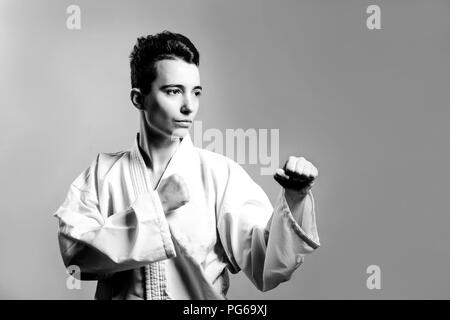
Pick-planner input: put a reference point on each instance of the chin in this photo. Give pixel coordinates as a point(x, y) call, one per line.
point(179, 133)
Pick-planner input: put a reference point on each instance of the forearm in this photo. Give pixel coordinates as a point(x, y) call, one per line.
point(295, 203)
point(125, 240)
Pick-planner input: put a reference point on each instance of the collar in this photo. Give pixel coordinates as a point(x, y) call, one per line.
point(179, 163)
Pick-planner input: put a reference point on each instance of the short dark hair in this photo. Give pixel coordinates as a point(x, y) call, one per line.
point(152, 48)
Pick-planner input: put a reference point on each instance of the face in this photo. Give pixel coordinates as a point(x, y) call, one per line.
point(173, 101)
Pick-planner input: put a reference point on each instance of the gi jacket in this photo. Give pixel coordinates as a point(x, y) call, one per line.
point(112, 226)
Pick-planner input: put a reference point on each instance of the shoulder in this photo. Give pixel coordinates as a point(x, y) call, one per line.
point(100, 168)
point(216, 161)
point(105, 161)
point(221, 166)
point(234, 186)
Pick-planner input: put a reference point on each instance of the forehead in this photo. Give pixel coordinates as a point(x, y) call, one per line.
point(177, 72)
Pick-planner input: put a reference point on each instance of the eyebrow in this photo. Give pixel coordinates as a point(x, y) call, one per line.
point(178, 86)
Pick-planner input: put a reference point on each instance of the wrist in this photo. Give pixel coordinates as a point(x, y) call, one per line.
point(295, 195)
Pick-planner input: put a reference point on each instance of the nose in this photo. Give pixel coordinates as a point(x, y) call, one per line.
point(188, 105)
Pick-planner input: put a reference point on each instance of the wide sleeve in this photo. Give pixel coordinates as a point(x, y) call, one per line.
point(267, 243)
point(101, 243)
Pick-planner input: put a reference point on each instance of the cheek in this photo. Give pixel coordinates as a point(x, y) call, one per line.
point(164, 107)
point(197, 106)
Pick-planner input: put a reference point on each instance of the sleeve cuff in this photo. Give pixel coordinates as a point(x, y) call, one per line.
point(310, 238)
point(148, 207)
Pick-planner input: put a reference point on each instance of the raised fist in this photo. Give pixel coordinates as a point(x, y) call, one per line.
point(173, 193)
point(297, 175)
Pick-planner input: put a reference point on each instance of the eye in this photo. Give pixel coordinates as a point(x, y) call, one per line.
point(172, 92)
point(198, 93)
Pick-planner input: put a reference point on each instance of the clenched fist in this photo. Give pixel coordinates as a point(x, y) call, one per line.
point(297, 176)
point(173, 193)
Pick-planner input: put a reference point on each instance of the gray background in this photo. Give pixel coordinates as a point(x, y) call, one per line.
point(368, 108)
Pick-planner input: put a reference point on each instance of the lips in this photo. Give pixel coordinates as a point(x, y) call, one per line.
point(183, 123)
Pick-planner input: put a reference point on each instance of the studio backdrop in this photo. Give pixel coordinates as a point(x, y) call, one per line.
point(359, 88)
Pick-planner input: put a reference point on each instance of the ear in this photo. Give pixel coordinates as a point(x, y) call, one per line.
point(137, 98)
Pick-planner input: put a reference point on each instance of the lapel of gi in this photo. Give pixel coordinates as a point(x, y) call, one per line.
point(155, 277)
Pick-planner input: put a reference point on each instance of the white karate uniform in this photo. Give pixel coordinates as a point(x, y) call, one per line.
point(112, 226)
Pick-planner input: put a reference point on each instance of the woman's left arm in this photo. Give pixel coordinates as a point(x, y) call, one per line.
point(267, 243)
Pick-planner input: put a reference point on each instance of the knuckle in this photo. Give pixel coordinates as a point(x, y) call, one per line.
point(291, 163)
point(300, 165)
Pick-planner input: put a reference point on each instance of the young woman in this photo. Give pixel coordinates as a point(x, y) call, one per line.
point(167, 220)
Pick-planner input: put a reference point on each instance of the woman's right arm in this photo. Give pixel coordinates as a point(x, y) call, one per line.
point(101, 245)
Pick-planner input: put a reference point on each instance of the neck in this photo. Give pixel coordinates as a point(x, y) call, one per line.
point(156, 147)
